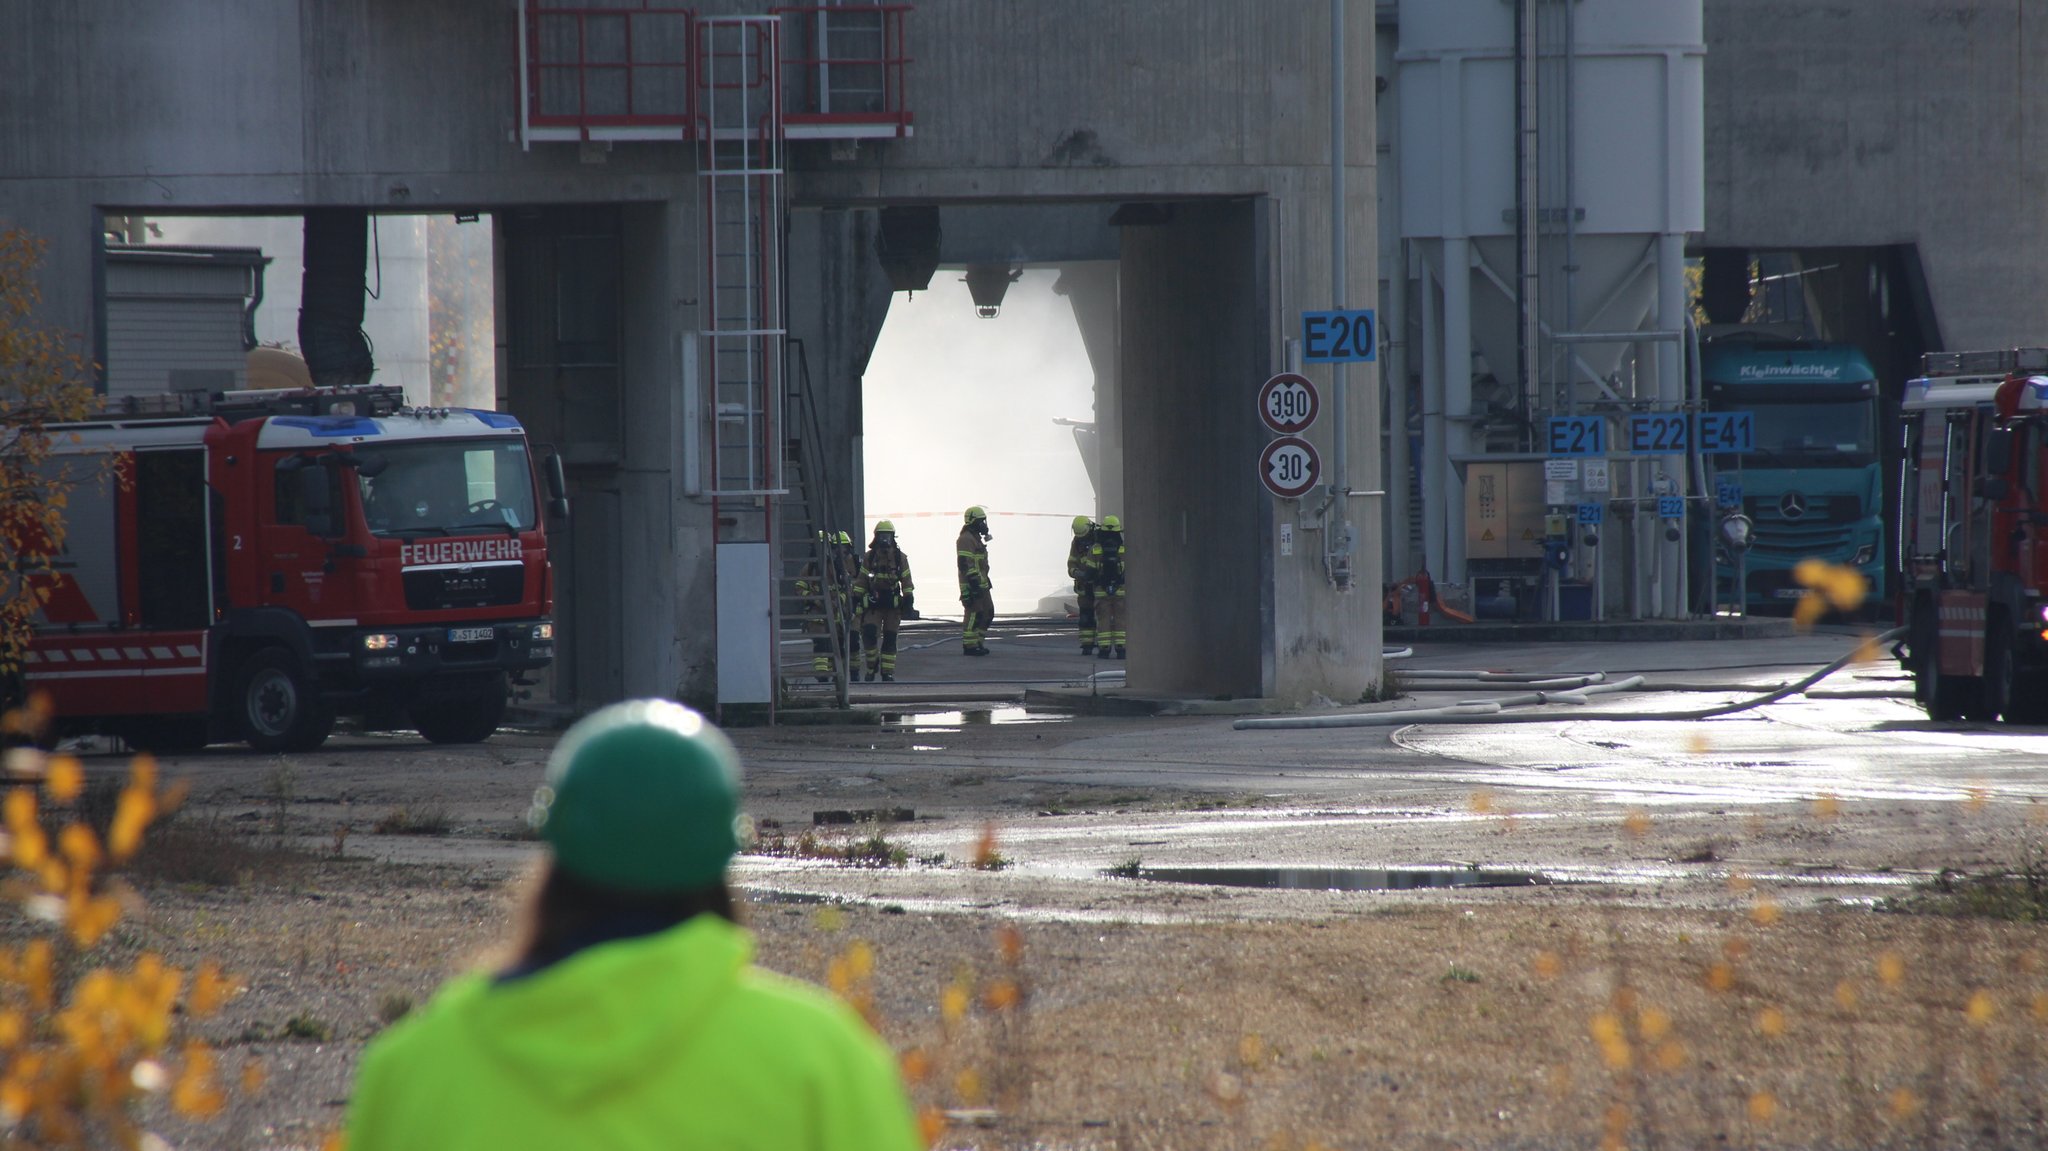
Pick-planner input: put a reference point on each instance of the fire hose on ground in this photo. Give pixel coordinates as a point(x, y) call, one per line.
point(1489, 711)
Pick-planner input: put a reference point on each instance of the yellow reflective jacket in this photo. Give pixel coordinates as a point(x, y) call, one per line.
point(973, 552)
point(660, 1041)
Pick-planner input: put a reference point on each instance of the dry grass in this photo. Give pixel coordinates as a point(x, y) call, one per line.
point(1529, 1027)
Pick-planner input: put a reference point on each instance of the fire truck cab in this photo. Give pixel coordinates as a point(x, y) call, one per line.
point(1973, 537)
point(249, 565)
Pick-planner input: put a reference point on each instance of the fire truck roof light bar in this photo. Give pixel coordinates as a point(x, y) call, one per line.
point(365, 400)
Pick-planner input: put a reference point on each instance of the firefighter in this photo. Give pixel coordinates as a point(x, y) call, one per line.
point(629, 1012)
point(1106, 575)
point(1077, 570)
point(977, 610)
point(845, 568)
point(884, 592)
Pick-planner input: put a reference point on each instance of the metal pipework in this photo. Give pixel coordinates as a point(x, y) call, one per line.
point(1337, 531)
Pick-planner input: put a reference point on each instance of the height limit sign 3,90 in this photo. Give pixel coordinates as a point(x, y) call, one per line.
point(1288, 403)
point(1289, 467)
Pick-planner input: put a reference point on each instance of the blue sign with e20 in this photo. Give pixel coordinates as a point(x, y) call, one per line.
point(1339, 337)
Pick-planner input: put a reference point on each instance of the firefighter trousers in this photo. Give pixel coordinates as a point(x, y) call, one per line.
point(977, 612)
point(1084, 602)
point(1109, 621)
point(878, 639)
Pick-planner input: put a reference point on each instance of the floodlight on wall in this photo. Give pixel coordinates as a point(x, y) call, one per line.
point(987, 283)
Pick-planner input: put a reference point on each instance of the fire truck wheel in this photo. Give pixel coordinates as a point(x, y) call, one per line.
point(468, 719)
point(279, 710)
point(1946, 697)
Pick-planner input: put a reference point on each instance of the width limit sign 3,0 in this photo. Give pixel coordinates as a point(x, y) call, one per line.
point(1289, 404)
point(1289, 467)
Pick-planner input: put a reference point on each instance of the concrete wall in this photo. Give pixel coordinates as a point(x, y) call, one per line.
point(410, 106)
point(223, 104)
point(1883, 122)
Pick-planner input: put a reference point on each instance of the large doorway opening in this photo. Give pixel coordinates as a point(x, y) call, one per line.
point(962, 409)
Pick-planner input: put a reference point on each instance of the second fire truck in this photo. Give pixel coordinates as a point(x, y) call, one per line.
point(1973, 538)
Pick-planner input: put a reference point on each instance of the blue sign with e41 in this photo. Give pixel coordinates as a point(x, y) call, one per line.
point(1727, 432)
point(1339, 337)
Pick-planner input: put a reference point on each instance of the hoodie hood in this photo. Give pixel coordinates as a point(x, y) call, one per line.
point(606, 1014)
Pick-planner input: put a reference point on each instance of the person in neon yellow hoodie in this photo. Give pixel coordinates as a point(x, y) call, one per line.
point(630, 1014)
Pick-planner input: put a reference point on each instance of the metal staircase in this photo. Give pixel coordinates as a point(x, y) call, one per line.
point(809, 598)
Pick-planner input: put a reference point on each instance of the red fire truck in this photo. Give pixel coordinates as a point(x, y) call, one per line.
point(248, 565)
point(1973, 537)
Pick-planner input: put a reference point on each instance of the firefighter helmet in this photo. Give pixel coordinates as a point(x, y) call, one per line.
point(977, 512)
point(843, 539)
point(1082, 524)
point(642, 796)
point(1111, 523)
point(885, 528)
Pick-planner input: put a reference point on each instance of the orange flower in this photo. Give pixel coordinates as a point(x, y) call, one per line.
point(64, 778)
point(1010, 942)
point(132, 817)
point(1001, 995)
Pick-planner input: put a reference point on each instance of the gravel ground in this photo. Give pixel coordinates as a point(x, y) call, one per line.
point(1431, 1024)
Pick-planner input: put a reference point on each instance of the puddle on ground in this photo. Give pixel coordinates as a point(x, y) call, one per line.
point(1343, 878)
point(937, 721)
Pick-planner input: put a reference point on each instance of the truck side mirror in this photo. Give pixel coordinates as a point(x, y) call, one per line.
point(558, 487)
point(1998, 453)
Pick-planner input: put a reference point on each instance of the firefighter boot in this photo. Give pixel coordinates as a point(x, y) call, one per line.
point(1106, 653)
point(1120, 651)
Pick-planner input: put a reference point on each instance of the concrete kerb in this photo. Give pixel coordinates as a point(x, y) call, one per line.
point(1619, 631)
point(1117, 702)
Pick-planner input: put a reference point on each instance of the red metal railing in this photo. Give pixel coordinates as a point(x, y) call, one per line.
point(845, 64)
point(610, 65)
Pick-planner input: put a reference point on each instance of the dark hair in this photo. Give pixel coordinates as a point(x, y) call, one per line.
point(560, 914)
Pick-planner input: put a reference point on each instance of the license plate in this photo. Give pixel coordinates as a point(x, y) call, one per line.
point(468, 634)
point(1789, 592)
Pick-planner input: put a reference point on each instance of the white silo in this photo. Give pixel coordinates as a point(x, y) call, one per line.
point(1613, 181)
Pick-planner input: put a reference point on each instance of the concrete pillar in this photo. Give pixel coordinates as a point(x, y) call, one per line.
point(1671, 301)
point(1091, 288)
point(1432, 416)
point(1193, 344)
point(660, 537)
point(1394, 374)
point(1457, 400)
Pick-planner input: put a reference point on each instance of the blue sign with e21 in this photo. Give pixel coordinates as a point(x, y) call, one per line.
point(1339, 337)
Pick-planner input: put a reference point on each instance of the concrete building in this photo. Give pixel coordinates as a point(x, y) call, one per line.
point(1190, 141)
point(1870, 159)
